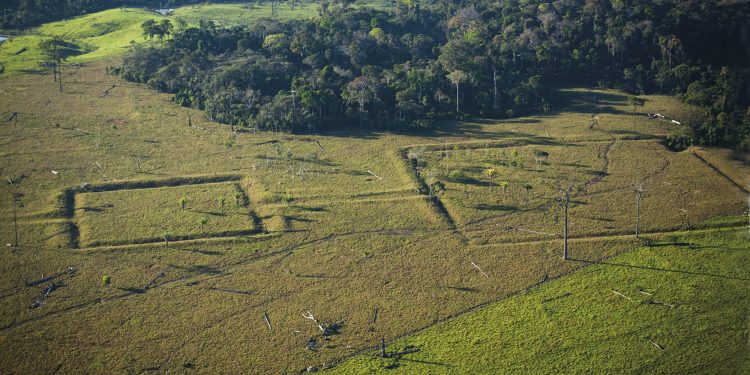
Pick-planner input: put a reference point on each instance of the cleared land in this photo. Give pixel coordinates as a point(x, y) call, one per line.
point(680, 190)
point(163, 214)
point(342, 226)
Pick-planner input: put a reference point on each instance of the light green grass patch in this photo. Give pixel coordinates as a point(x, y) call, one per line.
point(110, 32)
point(679, 310)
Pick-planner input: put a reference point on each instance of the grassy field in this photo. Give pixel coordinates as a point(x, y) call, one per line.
point(337, 224)
point(600, 173)
point(109, 33)
point(150, 215)
point(680, 309)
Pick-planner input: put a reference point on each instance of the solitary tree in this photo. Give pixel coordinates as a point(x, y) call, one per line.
point(53, 50)
point(490, 173)
point(222, 201)
point(183, 203)
point(527, 187)
point(458, 77)
point(203, 221)
point(540, 156)
point(638, 188)
point(504, 186)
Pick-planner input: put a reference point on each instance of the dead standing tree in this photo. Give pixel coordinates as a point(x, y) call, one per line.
point(639, 189)
point(16, 198)
point(565, 190)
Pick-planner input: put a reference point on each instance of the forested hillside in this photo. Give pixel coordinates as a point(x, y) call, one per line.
point(423, 61)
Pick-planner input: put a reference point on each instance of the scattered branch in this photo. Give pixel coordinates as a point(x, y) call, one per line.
point(622, 295)
point(372, 173)
point(656, 345)
point(268, 321)
point(311, 317)
point(480, 270)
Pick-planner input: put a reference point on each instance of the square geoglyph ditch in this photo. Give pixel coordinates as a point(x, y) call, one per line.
point(131, 216)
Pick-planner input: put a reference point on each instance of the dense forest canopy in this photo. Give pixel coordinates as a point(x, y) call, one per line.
point(421, 61)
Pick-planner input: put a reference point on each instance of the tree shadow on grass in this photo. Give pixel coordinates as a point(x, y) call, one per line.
point(425, 362)
point(204, 252)
point(462, 288)
point(473, 181)
point(496, 207)
point(686, 272)
point(133, 290)
point(100, 208)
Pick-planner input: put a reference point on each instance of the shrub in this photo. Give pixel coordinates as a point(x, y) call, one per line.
point(456, 176)
point(678, 142)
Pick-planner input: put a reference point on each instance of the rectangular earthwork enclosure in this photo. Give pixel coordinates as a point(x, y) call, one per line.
point(130, 216)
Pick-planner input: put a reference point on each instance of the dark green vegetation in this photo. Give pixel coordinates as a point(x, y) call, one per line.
point(677, 305)
point(419, 62)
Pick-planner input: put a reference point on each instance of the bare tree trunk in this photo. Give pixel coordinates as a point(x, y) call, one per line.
point(637, 214)
point(494, 80)
point(59, 68)
point(456, 97)
point(15, 218)
point(565, 232)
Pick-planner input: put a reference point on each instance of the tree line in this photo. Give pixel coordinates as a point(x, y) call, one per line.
point(420, 61)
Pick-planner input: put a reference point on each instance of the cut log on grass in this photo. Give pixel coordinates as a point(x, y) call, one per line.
point(480, 270)
point(311, 317)
point(622, 295)
point(656, 345)
point(372, 173)
point(268, 321)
